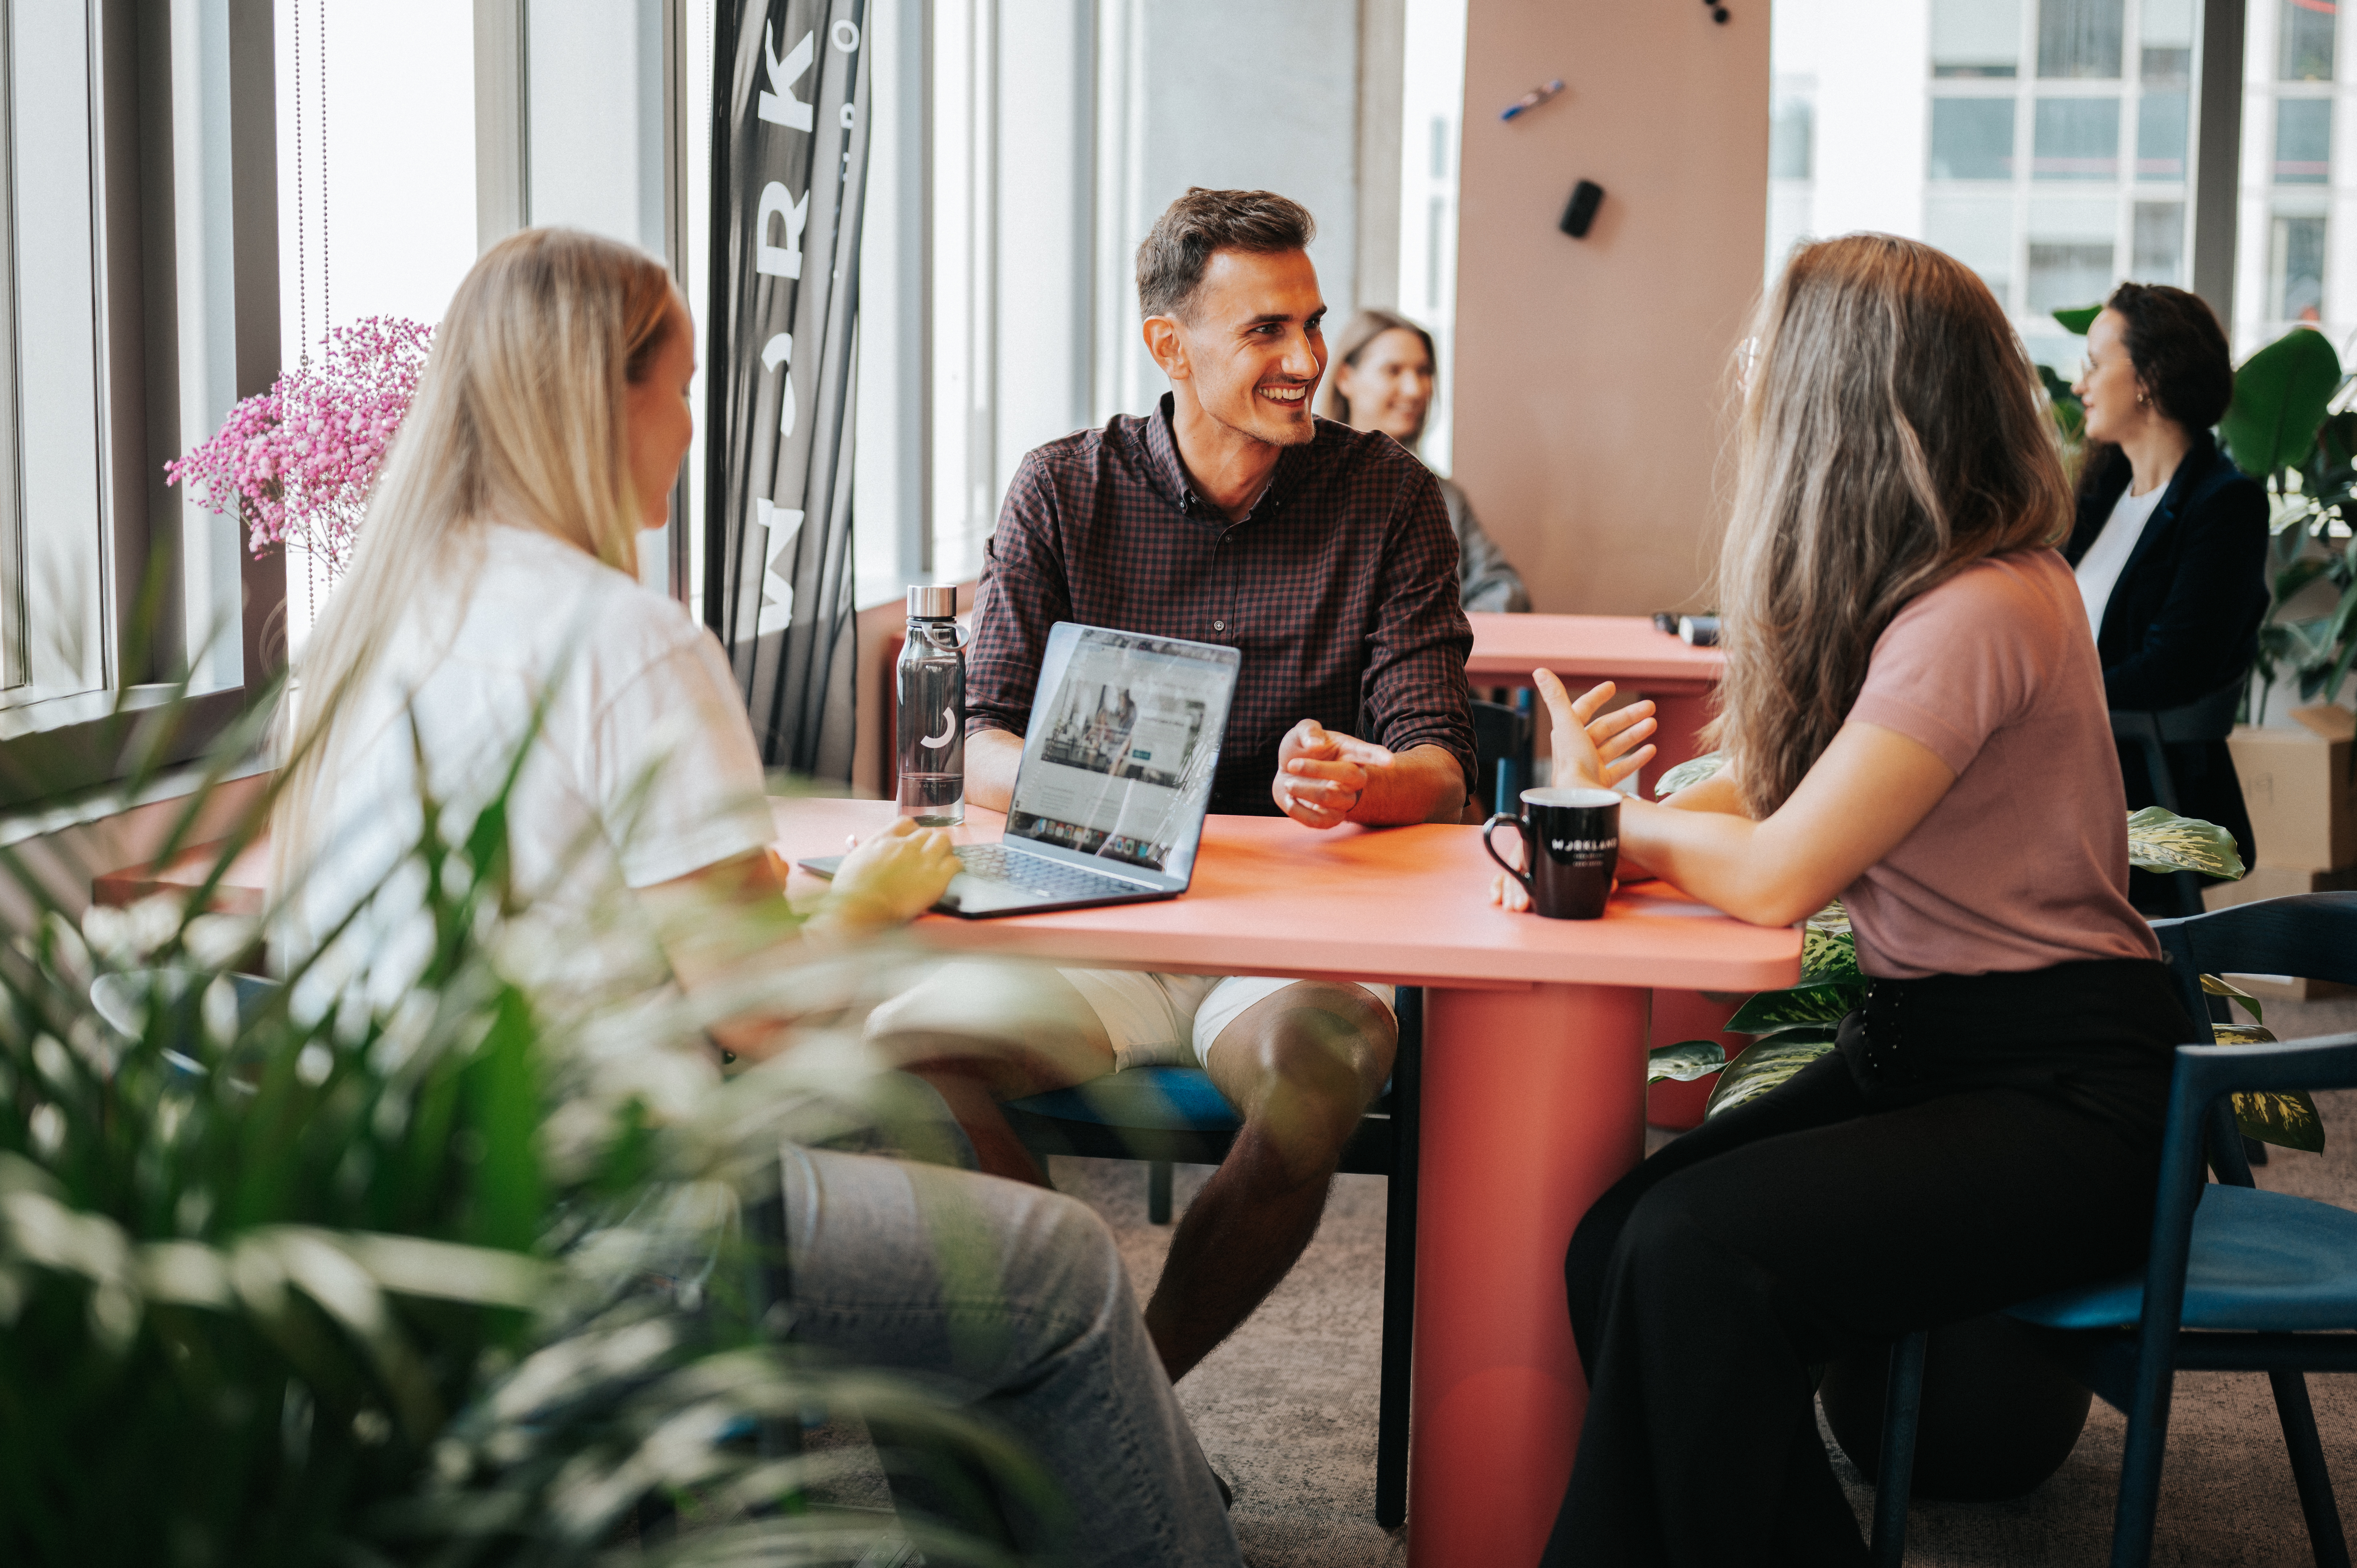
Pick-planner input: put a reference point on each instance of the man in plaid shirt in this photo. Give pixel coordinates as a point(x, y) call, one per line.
point(1324, 555)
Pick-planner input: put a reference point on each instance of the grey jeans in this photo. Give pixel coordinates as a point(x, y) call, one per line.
point(1018, 1295)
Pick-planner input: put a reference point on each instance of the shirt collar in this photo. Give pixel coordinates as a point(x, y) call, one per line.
point(1162, 455)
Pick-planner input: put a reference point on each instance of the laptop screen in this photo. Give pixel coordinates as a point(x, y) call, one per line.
point(1125, 736)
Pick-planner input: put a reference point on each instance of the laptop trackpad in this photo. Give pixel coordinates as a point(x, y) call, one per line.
point(977, 895)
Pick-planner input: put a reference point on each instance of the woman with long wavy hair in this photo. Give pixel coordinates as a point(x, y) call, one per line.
point(1913, 720)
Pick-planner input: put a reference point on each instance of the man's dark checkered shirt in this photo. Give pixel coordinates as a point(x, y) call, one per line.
point(1340, 589)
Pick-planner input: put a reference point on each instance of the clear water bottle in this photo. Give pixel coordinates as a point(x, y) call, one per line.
point(931, 738)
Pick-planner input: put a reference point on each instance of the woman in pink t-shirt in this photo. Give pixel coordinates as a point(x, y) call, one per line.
point(1914, 719)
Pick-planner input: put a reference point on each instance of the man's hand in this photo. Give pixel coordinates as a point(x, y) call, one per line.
point(1323, 774)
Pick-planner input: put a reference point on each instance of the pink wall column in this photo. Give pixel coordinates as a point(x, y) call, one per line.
point(1593, 382)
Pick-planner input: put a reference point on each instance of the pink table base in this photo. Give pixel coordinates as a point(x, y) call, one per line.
point(1533, 1097)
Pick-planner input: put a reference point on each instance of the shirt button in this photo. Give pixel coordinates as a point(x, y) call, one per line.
point(1219, 626)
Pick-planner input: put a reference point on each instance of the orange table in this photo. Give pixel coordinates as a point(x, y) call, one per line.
point(1534, 1091)
point(1584, 649)
point(1629, 651)
point(1534, 1096)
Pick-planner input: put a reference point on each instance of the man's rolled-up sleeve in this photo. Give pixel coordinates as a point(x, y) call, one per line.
point(1022, 593)
point(1414, 691)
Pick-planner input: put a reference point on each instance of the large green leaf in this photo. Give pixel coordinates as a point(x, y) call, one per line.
point(2160, 839)
point(2281, 397)
point(1818, 1001)
point(2288, 1120)
point(2216, 986)
point(2079, 317)
point(1693, 770)
point(1685, 1061)
point(1828, 946)
point(1764, 1065)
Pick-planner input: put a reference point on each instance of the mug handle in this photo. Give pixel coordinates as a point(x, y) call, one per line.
point(1521, 827)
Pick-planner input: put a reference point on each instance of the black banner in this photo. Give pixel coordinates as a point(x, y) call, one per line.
point(790, 105)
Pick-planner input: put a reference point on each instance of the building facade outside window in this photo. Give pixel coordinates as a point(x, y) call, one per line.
point(2047, 143)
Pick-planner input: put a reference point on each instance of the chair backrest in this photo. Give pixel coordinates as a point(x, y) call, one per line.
point(2204, 1076)
point(2310, 935)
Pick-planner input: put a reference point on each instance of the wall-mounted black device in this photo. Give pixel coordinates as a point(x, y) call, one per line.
point(1586, 196)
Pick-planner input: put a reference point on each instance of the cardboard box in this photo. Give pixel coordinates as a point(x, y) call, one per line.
point(2301, 793)
point(2275, 882)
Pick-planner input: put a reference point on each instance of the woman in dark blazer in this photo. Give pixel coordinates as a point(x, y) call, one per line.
point(2171, 544)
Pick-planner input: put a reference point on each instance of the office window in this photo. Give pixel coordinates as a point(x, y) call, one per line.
point(1971, 138)
point(1975, 37)
point(2080, 37)
point(2076, 138)
point(53, 507)
point(2161, 135)
point(2304, 36)
point(2303, 141)
point(2157, 251)
point(1791, 129)
point(2296, 269)
point(1978, 232)
point(2068, 273)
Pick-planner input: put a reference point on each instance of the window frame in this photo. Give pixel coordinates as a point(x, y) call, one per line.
point(63, 746)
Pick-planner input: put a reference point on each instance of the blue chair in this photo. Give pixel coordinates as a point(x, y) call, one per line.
point(1501, 748)
point(1167, 1115)
point(2238, 1279)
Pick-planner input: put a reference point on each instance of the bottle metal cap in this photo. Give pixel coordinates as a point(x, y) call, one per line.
point(928, 601)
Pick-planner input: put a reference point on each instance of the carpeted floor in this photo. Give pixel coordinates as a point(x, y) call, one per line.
point(1287, 1407)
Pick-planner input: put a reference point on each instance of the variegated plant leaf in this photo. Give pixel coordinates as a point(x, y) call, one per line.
point(1765, 1064)
point(2288, 1120)
point(1685, 1061)
point(1828, 946)
point(2160, 839)
point(1818, 1001)
point(1691, 771)
point(2218, 986)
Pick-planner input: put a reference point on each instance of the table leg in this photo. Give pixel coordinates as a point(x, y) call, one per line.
point(1533, 1104)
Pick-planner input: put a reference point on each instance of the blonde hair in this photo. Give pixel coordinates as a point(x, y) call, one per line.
point(1362, 329)
point(1891, 435)
point(518, 416)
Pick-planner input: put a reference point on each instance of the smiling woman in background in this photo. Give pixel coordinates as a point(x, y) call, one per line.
point(1381, 380)
point(2170, 542)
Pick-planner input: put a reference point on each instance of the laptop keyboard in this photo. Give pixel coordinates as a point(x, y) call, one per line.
point(1037, 875)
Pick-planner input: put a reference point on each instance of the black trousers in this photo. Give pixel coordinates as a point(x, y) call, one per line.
point(1919, 1176)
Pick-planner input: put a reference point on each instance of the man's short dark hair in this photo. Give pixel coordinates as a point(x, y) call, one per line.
point(1171, 261)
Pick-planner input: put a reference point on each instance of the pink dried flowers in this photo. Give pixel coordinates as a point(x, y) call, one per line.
point(297, 461)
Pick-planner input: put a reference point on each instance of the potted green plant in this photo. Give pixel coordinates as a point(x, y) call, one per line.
point(281, 1284)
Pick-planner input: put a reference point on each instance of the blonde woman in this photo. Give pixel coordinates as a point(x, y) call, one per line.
point(492, 610)
point(1914, 719)
point(1381, 379)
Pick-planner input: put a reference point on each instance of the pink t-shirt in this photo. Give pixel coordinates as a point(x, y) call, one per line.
point(2024, 862)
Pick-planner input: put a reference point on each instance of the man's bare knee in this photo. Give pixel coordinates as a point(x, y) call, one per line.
point(1302, 1066)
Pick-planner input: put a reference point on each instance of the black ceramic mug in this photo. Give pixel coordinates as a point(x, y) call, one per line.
point(1571, 844)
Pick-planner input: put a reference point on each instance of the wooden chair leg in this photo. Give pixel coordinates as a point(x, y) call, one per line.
point(1157, 1191)
point(2307, 1468)
point(1902, 1409)
point(1399, 1268)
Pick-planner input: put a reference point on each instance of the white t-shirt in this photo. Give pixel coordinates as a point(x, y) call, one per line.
point(643, 767)
point(2099, 568)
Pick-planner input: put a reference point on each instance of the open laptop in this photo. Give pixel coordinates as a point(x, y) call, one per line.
point(1115, 781)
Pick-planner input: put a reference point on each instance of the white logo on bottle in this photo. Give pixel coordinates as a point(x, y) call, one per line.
point(949, 731)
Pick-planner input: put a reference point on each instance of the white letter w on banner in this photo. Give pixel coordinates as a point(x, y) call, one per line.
point(779, 105)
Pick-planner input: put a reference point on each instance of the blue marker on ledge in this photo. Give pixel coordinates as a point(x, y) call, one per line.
point(1530, 99)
